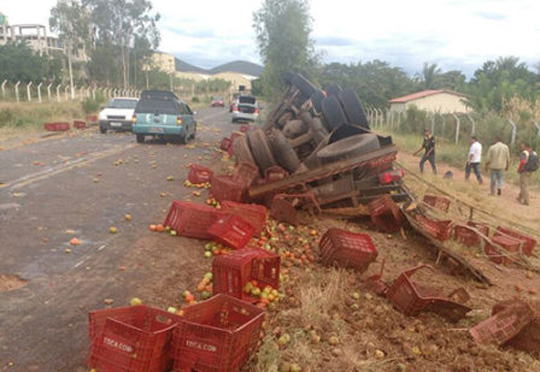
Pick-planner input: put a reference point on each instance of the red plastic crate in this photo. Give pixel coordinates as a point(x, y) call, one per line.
point(191, 219)
point(483, 228)
point(466, 236)
point(217, 335)
point(199, 174)
point(232, 231)
point(528, 242)
point(502, 325)
point(227, 188)
point(131, 339)
point(79, 124)
point(347, 249)
point(507, 243)
point(439, 202)
point(411, 298)
point(254, 213)
point(225, 144)
point(441, 230)
point(246, 173)
point(232, 272)
point(56, 127)
point(92, 119)
point(385, 214)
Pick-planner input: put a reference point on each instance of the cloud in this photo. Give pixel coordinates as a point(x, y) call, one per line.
point(333, 41)
point(492, 16)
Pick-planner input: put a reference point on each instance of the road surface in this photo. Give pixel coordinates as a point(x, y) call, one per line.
point(77, 186)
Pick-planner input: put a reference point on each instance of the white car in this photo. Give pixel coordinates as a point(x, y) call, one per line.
point(118, 114)
point(246, 108)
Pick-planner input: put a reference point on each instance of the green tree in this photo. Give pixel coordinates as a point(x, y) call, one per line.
point(501, 80)
point(125, 25)
point(72, 23)
point(430, 74)
point(283, 30)
point(20, 63)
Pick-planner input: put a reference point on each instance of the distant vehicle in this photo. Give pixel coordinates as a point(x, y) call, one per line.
point(117, 114)
point(246, 108)
point(161, 114)
point(218, 102)
point(234, 98)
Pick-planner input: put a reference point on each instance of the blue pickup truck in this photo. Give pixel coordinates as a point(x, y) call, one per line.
point(162, 114)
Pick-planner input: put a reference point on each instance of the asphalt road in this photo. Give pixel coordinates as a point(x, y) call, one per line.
point(78, 186)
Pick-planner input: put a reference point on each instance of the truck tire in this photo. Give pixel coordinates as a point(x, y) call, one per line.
point(316, 101)
point(304, 85)
point(353, 108)
point(348, 147)
point(242, 153)
point(140, 138)
point(333, 114)
point(333, 90)
point(260, 149)
point(283, 151)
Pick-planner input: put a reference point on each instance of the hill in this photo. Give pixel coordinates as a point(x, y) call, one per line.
point(241, 67)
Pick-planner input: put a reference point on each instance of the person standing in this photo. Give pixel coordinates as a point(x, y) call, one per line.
point(473, 160)
point(497, 162)
point(429, 146)
point(528, 163)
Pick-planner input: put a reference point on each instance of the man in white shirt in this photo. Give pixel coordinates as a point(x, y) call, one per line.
point(473, 160)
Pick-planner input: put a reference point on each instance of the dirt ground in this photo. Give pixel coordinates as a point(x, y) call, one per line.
point(332, 320)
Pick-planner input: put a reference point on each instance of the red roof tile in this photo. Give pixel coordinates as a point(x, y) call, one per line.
point(422, 94)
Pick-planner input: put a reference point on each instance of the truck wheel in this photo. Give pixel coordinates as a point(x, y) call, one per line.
point(304, 85)
point(353, 108)
point(333, 90)
point(260, 148)
point(242, 151)
point(348, 147)
point(316, 101)
point(283, 151)
point(102, 130)
point(294, 128)
point(140, 138)
point(333, 113)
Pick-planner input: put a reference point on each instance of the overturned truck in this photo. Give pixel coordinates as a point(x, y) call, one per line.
point(316, 150)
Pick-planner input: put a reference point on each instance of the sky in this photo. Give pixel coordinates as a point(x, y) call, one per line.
point(454, 34)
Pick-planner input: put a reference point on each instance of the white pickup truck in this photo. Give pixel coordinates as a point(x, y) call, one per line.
point(117, 115)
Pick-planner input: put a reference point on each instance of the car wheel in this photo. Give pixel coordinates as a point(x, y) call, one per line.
point(260, 148)
point(283, 151)
point(353, 108)
point(304, 85)
point(333, 114)
point(348, 147)
point(333, 90)
point(102, 130)
point(194, 131)
point(242, 152)
point(140, 138)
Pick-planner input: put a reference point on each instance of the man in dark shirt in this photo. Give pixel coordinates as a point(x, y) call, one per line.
point(429, 146)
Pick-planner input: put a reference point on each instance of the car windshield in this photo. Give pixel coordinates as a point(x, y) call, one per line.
point(156, 103)
point(122, 103)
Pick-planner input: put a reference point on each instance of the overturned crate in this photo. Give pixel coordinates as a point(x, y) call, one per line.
point(225, 187)
point(218, 335)
point(191, 219)
point(232, 231)
point(385, 214)
point(411, 297)
point(346, 249)
point(254, 213)
point(199, 174)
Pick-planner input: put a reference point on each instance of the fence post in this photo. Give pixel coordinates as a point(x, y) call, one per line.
point(17, 90)
point(537, 127)
point(94, 92)
point(514, 129)
point(49, 91)
point(58, 92)
point(39, 92)
point(4, 89)
point(432, 123)
point(458, 123)
point(473, 130)
point(28, 91)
